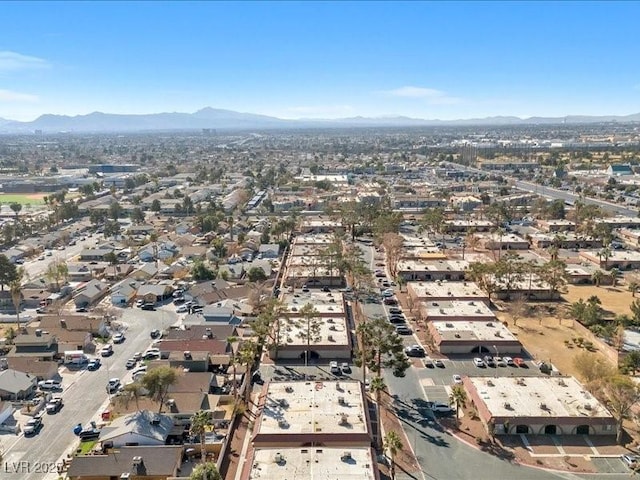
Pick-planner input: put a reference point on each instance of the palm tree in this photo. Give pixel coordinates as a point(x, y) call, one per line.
point(15, 287)
point(233, 341)
point(597, 276)
point(247, 356)
point(458, 397)
point(615, 273)
point(131, 391)
point(634, 286)
point(393, 445)
point(377, 387)
point(200, 421)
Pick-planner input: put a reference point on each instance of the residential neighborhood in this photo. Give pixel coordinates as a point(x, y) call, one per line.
point(271, 306)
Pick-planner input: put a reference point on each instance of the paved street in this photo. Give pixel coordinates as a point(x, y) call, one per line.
point(84, 396)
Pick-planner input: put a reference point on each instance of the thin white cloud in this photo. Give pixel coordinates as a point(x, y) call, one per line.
point(11, 96)
point(15, 62)
point(430, 95)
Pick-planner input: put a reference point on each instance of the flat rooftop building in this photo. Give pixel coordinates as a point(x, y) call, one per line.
point(312, 463)
point(474, 337)
point(441, 291)
point(328, 304)
point(331, 413)
point(455, 310)
point(538, 406)
point(436, 269)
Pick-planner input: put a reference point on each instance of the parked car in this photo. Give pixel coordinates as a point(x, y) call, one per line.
point(118, 338)
point(106, 351)
point(156, 333)
point(414, 351)
point(631, 461)
point(113, 385)
point(478, 362)
point(137, 356)
point(179, 301)
point(148, 306)
point(94, 364)
point(397, 319)
point(345, 367)
point(457, 379)
point(403, 330)
point(139, 303)
point(334, 368)
point(182, 309)
point(390, 301)
point(54, 405)
point(439, 363)
point(509, 361)
point(395, 311)
point(437, 407)
point(33, 426)
point(520, 362)
point(130, 363)
point(49, 385)
point(428, 362)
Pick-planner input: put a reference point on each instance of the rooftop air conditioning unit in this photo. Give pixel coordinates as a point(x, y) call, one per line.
point(543, 406)
point(340, 400)
point(507, 405)
point(187, 355)
point(587, 406)
point(279, 458)
point(346, 456)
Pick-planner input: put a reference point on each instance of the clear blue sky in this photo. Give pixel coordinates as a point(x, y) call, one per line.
point(427, 60)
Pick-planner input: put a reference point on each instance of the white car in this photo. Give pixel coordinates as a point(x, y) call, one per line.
point(49, 385)
point(478, 362)
point(457, 379)
point(118, 338)
point(182, 309)
point(508, 361)
point(113, 385)
point(334, 368)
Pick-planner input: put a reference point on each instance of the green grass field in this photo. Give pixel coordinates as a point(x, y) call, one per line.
point(23, 198)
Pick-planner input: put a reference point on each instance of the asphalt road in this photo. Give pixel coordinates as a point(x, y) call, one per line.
point(564, 195)
point(441, 455)
point(85, 397)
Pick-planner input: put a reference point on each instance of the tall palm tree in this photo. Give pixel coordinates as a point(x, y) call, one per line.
point(247, 353)
point(15, 287)
point(597, 277)
point(200, 422)
point(393, 445)
point(615, 273)
point(233, 342)
point(458, 397)
point(377, 387)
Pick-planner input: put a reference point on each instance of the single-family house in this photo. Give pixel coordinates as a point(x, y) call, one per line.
point(143, 428)
point(154, 293)
point(146, 272)
point(123, 293)
point(94, 254)
point(15, 385)
point(90, 293)
point(135, 463)
point(269, 250)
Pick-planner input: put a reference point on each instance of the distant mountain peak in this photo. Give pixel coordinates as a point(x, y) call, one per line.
point(216, 118)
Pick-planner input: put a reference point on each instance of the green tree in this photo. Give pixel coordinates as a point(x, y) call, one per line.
point(157, 382)
point(619, 394)
point(458, 398)
point(205, 471)
point(115, 210)
point(378, 387)
point(393, 445)
point(267, 326)
point(133, 391)
point(200, 271)
point(112, 258)
point(8, 272)
point(200, 422)
point(256, 274)
point(309, 328)
point(16, 207)
point(155, 205)
point(631, 362)
point(15, 287)
point(137, 215)
point(380, 347)
point(592, 367)
point(247, 356)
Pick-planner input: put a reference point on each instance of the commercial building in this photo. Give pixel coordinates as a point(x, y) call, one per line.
point(311, 463)
point(306, 413)
point(456, 310)
point(443, 291)
point(538, 406)
point(474, 337)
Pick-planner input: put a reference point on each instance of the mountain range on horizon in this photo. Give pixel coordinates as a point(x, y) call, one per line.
point(221, 119)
